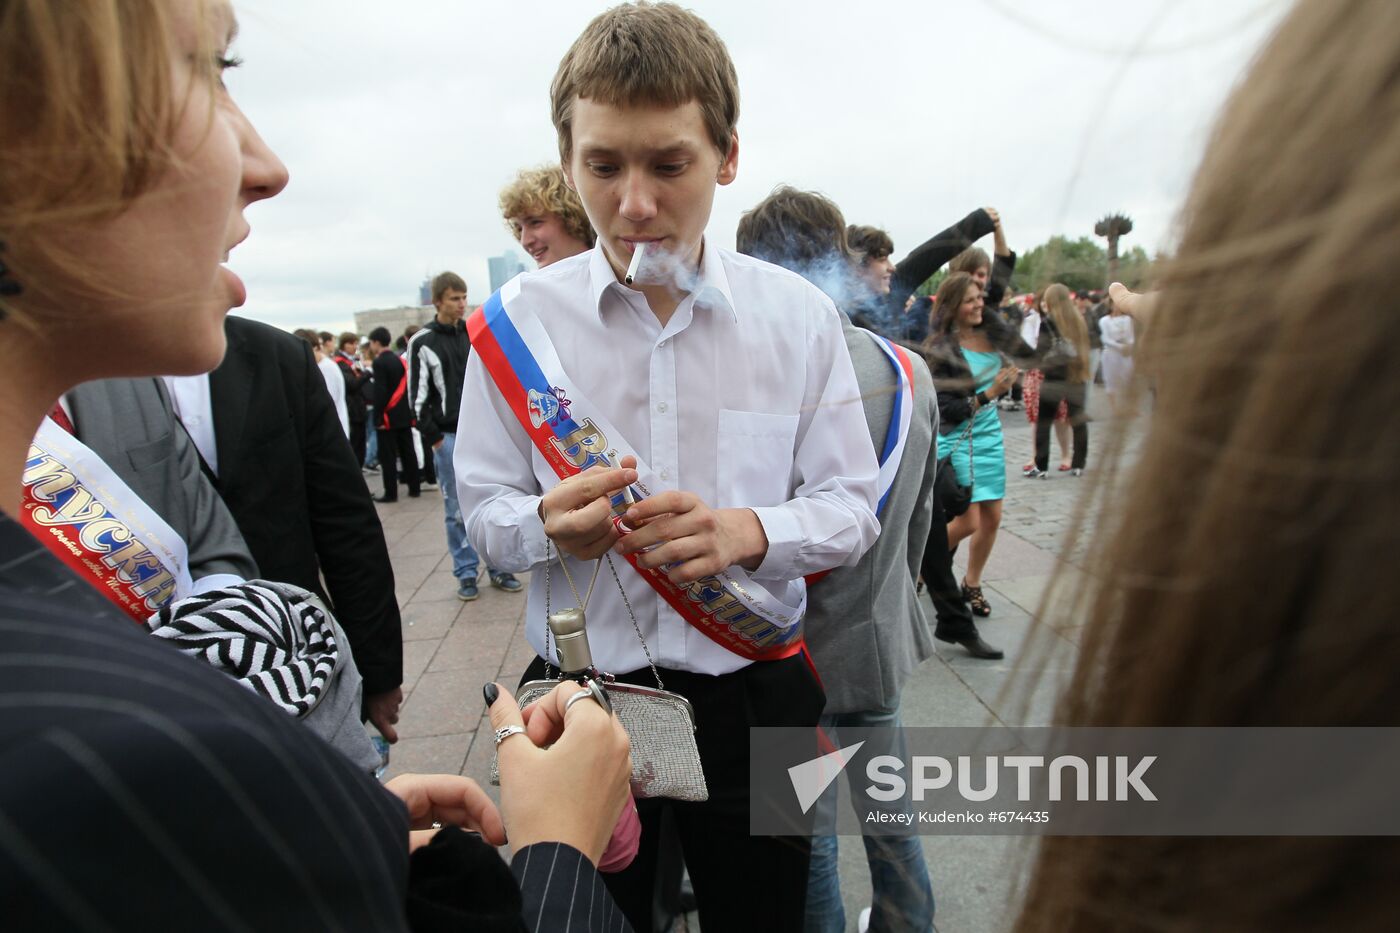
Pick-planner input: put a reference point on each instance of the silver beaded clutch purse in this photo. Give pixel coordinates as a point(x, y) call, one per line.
point(659, 723)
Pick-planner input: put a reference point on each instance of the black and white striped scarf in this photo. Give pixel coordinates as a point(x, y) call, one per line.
point(276, 639)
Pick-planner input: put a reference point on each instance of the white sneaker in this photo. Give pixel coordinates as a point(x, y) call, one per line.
point(863, 924)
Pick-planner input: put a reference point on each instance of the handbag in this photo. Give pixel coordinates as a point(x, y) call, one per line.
point(1059, 355)
point(951, 495)
point(659, 723)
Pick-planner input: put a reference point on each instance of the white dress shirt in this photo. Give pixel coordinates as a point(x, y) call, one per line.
point(189, 395)
point(746, 397)
point(335, 384)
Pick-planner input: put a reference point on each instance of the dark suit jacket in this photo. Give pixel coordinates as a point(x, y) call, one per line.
point(142, 790)
point(287, 473)
point(392, 406)
point(129, 424)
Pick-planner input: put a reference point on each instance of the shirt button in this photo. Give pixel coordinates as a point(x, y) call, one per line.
point(661, 408)
point(662, 344)
point(666, 473)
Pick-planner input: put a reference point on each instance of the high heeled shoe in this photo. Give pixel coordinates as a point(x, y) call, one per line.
point(976, 600)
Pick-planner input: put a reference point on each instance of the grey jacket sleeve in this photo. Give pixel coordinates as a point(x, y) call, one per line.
point(132, 426)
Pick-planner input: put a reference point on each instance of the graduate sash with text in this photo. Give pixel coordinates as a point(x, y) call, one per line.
point(572, 436)
point(92, 521)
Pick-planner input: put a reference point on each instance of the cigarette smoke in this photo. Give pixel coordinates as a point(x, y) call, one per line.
point(661, 266)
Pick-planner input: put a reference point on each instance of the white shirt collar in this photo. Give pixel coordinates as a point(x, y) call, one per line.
point(711, 288)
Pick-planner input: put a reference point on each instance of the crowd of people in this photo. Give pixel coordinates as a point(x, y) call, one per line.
point(766, 538)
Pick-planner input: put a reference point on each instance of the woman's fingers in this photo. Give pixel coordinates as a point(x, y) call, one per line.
point(451, 800)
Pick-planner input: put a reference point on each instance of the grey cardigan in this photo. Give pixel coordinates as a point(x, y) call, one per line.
point(865, 627)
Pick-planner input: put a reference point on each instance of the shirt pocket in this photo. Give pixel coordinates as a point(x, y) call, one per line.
point(755, 453)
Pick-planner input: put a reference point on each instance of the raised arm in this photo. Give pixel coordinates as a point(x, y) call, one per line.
point(928, 257)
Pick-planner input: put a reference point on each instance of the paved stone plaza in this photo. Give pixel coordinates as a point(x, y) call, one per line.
point(452, 648)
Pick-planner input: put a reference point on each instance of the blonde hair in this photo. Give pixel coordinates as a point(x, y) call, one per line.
point(1070, 323)
point(542, 190)
point(87, 113)
point(655, 54)
point(1239, 577)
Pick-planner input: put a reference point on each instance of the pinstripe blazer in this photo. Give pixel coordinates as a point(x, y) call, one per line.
point(142, 790)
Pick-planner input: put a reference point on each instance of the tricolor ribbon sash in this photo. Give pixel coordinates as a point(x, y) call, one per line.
point(573, 435)
point(92, 521)
point(903, 415)
point(897, 435)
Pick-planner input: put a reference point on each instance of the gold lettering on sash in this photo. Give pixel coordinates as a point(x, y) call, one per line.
point(583, 445)
point(733, 612)
point(131, 560)
point(91, 534)
point(48, 478)
point(752, 627)
point(80, 507)
point(153, 591)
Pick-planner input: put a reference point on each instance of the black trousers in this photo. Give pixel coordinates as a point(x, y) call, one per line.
point(400, 441)
point(954, 618)
point(1051, 394)
point(741, 882)
point(357, 440)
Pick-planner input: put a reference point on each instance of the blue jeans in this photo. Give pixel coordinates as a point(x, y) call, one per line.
point(903, 895)
point(465, 563)
point(371, 445)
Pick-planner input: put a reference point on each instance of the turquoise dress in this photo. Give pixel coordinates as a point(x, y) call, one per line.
point(988, 459)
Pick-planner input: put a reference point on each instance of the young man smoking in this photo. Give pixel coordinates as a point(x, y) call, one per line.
point(719, 389)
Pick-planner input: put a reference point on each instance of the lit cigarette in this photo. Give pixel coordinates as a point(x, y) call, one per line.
point(635, 264)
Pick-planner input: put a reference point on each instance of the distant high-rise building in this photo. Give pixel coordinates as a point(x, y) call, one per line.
point(425, 292)
point(504, 268)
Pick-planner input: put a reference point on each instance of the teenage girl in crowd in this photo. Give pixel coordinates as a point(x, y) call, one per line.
point(142, 789)
point(1063, 349)
point(1033, 379)
point(970, 373)
point(1240, 561)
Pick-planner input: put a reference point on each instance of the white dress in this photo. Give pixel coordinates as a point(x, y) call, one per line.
point(1117, 334)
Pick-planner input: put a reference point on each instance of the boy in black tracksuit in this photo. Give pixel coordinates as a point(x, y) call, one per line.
point(437, 360)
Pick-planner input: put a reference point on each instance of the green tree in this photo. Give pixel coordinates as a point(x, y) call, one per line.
point(1079, 264)
point(1135, 268)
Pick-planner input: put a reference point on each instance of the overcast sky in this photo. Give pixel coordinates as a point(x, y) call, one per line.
point(401, 122)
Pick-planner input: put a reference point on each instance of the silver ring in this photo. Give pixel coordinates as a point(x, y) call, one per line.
point(596, 691)
point(507, 732)
point(581, 695)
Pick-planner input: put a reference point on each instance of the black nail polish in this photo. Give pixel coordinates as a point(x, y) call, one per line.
point(490, 692)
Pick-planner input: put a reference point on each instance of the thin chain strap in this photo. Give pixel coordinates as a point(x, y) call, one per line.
point(635, 627)
point(966, 435)
point(548, 640)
